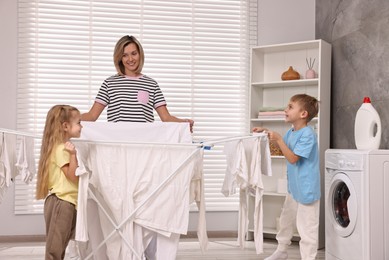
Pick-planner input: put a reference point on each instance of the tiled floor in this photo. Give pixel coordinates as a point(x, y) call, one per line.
point(189, 249)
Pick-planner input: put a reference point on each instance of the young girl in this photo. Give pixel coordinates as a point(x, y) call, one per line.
point(57, 181)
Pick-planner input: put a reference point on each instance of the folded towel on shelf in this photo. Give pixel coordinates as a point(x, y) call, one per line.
point(267, 109)
point(272, 113)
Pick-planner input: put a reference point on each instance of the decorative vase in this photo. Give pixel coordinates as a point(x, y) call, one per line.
point(290, 74)
point(310, 74)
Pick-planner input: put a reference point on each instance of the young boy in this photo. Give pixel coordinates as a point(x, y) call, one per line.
point(301, 206)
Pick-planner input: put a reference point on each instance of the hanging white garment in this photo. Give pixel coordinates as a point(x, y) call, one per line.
point(7, 155)
point(260, 165)
point(123, 178)
point(247, 160)
point(83, 181)
point(25, 163)
point(236, 176)
point(3, 167)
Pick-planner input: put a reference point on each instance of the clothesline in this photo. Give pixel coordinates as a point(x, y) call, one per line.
point(132, 143)
point(210, 143)
point(205, 144)
point(9, 131)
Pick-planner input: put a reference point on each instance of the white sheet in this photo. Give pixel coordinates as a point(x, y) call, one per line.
point(123, 176)
point(158, 132)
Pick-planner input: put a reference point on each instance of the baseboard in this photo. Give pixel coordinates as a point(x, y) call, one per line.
point(213, 234)
point(23, 238)
point(190, 234)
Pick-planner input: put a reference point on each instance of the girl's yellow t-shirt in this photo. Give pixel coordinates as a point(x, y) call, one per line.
point(58, 183)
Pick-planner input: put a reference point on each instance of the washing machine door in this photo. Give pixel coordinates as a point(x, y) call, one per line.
point(343, 204)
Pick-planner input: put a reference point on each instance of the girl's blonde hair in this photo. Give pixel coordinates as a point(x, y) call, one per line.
point(118, 54)
point(53, 134)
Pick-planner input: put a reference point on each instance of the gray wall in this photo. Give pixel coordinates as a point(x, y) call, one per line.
point(359, 33)
point(276, 16)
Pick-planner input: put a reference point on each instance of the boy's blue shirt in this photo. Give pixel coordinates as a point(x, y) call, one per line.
point(304, 175)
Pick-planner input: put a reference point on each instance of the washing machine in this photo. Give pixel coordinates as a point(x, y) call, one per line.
point(357, 204)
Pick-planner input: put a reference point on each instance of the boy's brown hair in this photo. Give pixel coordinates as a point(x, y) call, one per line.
point(308, 103)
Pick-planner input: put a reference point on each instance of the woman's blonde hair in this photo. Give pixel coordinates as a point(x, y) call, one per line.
point(118, 54)
point(53, 134)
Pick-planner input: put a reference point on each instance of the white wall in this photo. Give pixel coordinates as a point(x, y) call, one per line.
point(9, 223)
point(279, 21)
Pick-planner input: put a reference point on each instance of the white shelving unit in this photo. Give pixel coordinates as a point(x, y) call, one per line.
point(268, 90)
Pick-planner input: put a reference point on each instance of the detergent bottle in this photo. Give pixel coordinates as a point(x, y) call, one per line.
point(367, 129)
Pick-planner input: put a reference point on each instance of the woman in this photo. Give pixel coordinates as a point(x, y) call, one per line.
point(130, 95)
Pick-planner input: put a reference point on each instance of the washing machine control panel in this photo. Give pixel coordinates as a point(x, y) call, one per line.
point(349, 164)
point(341, 161)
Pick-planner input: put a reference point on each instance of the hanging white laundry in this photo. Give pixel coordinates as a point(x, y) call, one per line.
point(260, 159)
point(236, 175)
point(3, 169)
point(25, 163)
point(7, 154)
point(83, 182)
point(85, 205)
point(247, 160)
point(126, 181)
point(197, 195)
point(260, 165)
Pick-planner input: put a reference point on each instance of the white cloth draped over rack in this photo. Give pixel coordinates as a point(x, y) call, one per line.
point(10, 156)
point(169, 133)
point(121, 161)
point(25, 162)
point(143, 178)
point(248, 158)
point(7, 169)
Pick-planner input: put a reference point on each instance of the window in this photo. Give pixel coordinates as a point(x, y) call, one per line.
point(198, 52)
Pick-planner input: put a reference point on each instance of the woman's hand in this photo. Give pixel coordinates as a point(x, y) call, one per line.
point(191, 123)
point(94, 113)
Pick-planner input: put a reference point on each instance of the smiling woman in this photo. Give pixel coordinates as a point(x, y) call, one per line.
point(198, 51)
point(130, 95)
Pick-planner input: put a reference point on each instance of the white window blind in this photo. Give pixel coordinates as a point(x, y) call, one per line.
point(198, 51)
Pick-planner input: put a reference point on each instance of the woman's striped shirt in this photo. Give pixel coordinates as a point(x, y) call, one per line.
point(130, 99)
